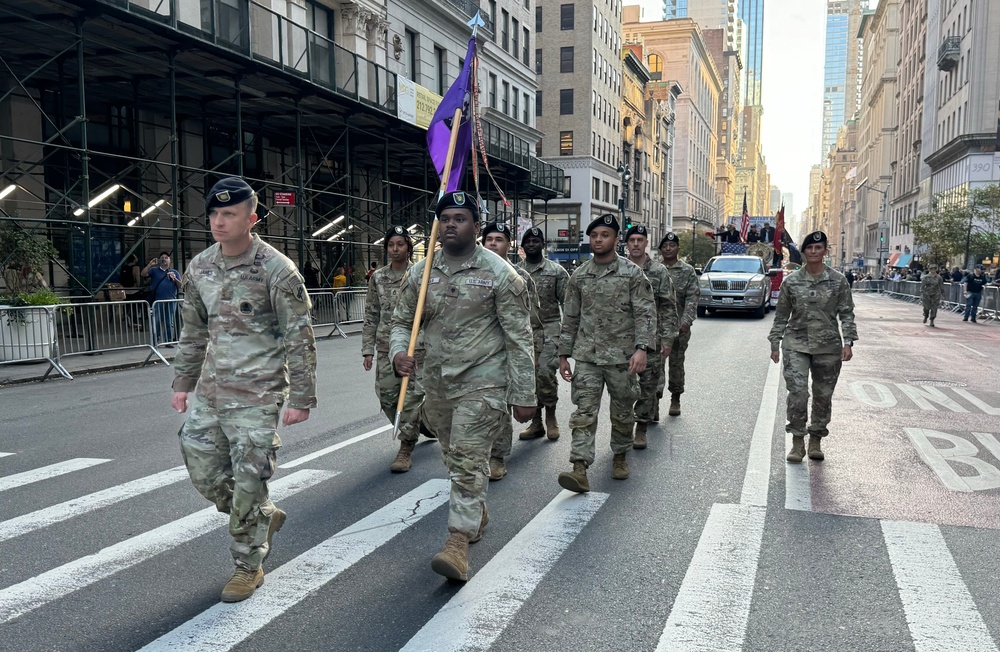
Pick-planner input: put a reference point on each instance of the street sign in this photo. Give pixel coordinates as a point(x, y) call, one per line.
point(883, 250)
point(883, 224)
point(284, 198)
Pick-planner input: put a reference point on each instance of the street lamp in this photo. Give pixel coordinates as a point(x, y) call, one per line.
point(626, 175)
point(843, 250)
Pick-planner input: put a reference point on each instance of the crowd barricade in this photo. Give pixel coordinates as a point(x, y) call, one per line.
point(350, 303)
point(324, 312)
point(868, 286)
point(28, 334)
point(165, 322)
point(97, 327)
point(952, 297)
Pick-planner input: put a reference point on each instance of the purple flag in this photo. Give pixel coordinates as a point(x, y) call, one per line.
point(439, 131)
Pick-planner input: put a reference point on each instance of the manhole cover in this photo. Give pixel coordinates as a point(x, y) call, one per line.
point(936, 383)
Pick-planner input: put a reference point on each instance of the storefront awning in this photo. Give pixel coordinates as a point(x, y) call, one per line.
point(892, 260)
point(904, 260)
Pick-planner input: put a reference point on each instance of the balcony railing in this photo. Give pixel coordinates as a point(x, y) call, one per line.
point(949, 53)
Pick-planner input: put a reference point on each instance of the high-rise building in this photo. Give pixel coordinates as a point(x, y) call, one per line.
point(841, 69)
point(751, 12)
point(788, 201)
point(675, 9)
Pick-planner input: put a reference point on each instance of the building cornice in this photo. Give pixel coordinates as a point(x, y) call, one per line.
point(959, 147)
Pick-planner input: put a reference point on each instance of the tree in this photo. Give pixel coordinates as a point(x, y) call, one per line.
point(23, 256)
point(964, 222)
point(704, 248)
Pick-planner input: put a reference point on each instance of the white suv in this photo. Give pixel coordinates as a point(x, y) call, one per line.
point(734, 283)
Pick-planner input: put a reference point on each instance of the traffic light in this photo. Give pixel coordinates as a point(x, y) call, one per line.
point(628, 224)
point(881, 238)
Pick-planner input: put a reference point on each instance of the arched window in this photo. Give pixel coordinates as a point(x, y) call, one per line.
point(655, 63)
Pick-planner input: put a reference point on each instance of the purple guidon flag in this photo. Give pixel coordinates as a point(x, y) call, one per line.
point(439, 131)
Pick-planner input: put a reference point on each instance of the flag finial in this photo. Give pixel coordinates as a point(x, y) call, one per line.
point(476, 23)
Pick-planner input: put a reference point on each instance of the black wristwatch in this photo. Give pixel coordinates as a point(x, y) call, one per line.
point(643, 347)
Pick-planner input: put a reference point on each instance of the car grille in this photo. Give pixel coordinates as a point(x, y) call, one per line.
point(729, 285)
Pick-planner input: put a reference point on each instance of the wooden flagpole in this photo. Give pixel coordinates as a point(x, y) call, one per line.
point(428, 262)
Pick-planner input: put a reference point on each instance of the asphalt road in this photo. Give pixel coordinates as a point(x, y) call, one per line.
point(712, 544)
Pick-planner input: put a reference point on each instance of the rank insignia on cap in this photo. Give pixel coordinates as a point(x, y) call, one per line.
point(607, 219)
point(459, 198)
point(222, 196)
point(399, 229)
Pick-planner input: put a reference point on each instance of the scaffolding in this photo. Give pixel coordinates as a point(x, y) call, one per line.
point(116, 116)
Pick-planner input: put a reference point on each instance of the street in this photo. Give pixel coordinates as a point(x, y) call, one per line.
point(713, 543)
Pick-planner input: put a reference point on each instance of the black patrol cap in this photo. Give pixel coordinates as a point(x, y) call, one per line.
point(638, 229)
point(816, 237)
point(498, 227)
point(533, 232)
point(228, 192)
point(608, 220)
point(458, 199)
point(396, 231)
point(670, 237)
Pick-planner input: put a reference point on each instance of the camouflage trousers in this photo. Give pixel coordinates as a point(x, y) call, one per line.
point(648, 382)
point(825, 369)
point(546, 384)
point(931, 307)
point(230, 455)
point(466, 428)
point(673, 381)
point(387, 385)
point(588, 386)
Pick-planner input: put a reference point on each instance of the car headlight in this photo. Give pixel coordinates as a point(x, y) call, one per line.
point(704, 282)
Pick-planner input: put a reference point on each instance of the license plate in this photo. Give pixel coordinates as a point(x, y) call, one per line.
point(727, 299)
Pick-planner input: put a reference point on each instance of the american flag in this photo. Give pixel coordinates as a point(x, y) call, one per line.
point(745, 222)
point(736, 248)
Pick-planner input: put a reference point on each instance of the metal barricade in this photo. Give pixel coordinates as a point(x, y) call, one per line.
point(324, 312)
point(351, 305)
point(28, 334)
point(868, 286)
point(94, 328)
point(165, 326)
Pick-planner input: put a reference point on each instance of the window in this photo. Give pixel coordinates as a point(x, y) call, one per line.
point(596, 192)
point(439, 57)
point(526, 116)
point(505, 100)
point(516, 103)
point(526, 46)
point(566, 101)
point(566, 59)
point(566, 22)
point(607, 192)
point(538, 103)
point(538, 61)
point(411, 43)
point(493, 91)
point(515, 37)
point(493, 18)
point(566, 141)
point(538, 18)
point(505, 30)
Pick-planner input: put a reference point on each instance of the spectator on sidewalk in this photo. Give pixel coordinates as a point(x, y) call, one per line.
point(164, 282)
point(974, 285)
point(957, 275)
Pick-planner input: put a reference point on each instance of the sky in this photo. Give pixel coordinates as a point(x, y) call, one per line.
point(792, 90)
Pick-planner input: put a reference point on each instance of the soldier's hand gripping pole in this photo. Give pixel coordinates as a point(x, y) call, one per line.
point(429, 245)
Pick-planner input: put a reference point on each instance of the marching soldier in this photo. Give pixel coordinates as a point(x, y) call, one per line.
point(931, 287)
point(478, 345)
point(497, 238)
point(550, 283)
point(608, 328)
point(246, 349)
point(383, 294)
point(812, 300)
point(686, 286)
point(636, 240)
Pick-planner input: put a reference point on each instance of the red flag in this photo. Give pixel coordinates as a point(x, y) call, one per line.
point(779, 230)
point(745, 222)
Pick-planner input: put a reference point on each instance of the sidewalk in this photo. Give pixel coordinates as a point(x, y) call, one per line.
point(78, 365)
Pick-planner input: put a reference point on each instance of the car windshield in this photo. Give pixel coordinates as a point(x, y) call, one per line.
point(742, 265)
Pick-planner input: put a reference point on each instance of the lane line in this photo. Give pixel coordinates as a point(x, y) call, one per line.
point(758, 475)
point(329, 449)
point(6, 454)
point(798, 493)
point(19, 599)
point(939, 610)
point(45, 472)
point(479, 613)
point(969, 348)
point(712, 608)
point(224, 626)
point(17, 526)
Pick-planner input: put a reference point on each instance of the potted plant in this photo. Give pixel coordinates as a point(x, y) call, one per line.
point(25, 334)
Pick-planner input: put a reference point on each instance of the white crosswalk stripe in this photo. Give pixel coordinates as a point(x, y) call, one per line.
point(475, 617)
point(225, 625)
point(6, 454)
point(8, 482)
point(17, 526)
point(19, 599)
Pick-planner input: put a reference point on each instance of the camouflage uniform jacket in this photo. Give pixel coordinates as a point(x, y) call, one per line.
point(666, 301)
point(475, 327)
point(805, 318)
point(550, 284)
point(609, 310)
point(686, 286)
point(247, 338)
point(931, 286)
point(383, 295)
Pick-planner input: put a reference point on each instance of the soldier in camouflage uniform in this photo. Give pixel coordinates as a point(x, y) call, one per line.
point(497, 238)
point(686, 286)
point(479, 362)
point(608, 328)
point(931, 287)
point(550, 283)
point(636, 241)
point(246, 348)
point(383, 293)
point(805, 329)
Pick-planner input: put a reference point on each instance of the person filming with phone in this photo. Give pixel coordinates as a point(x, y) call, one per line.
point(164, 282)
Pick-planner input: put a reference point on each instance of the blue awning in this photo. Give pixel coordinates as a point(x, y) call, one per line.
point(904, 260)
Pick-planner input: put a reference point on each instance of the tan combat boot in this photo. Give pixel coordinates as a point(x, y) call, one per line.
point(619, 467)
point(453, 560)
point(497, 468)
point(482, 526)
point(535, 428)
point(242, 584)
point(403, 461)
point(815, 453)
point(551, 423)
point(675, 405)
point(278, 517)
point(640, 436)
point(575, 480)
point(798, 449)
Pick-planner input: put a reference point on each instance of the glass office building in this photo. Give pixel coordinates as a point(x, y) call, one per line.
point(675, 9)
point(751, 12)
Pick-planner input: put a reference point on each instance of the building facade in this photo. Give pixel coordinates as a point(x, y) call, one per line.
point(751, 12)
point(841, 67)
